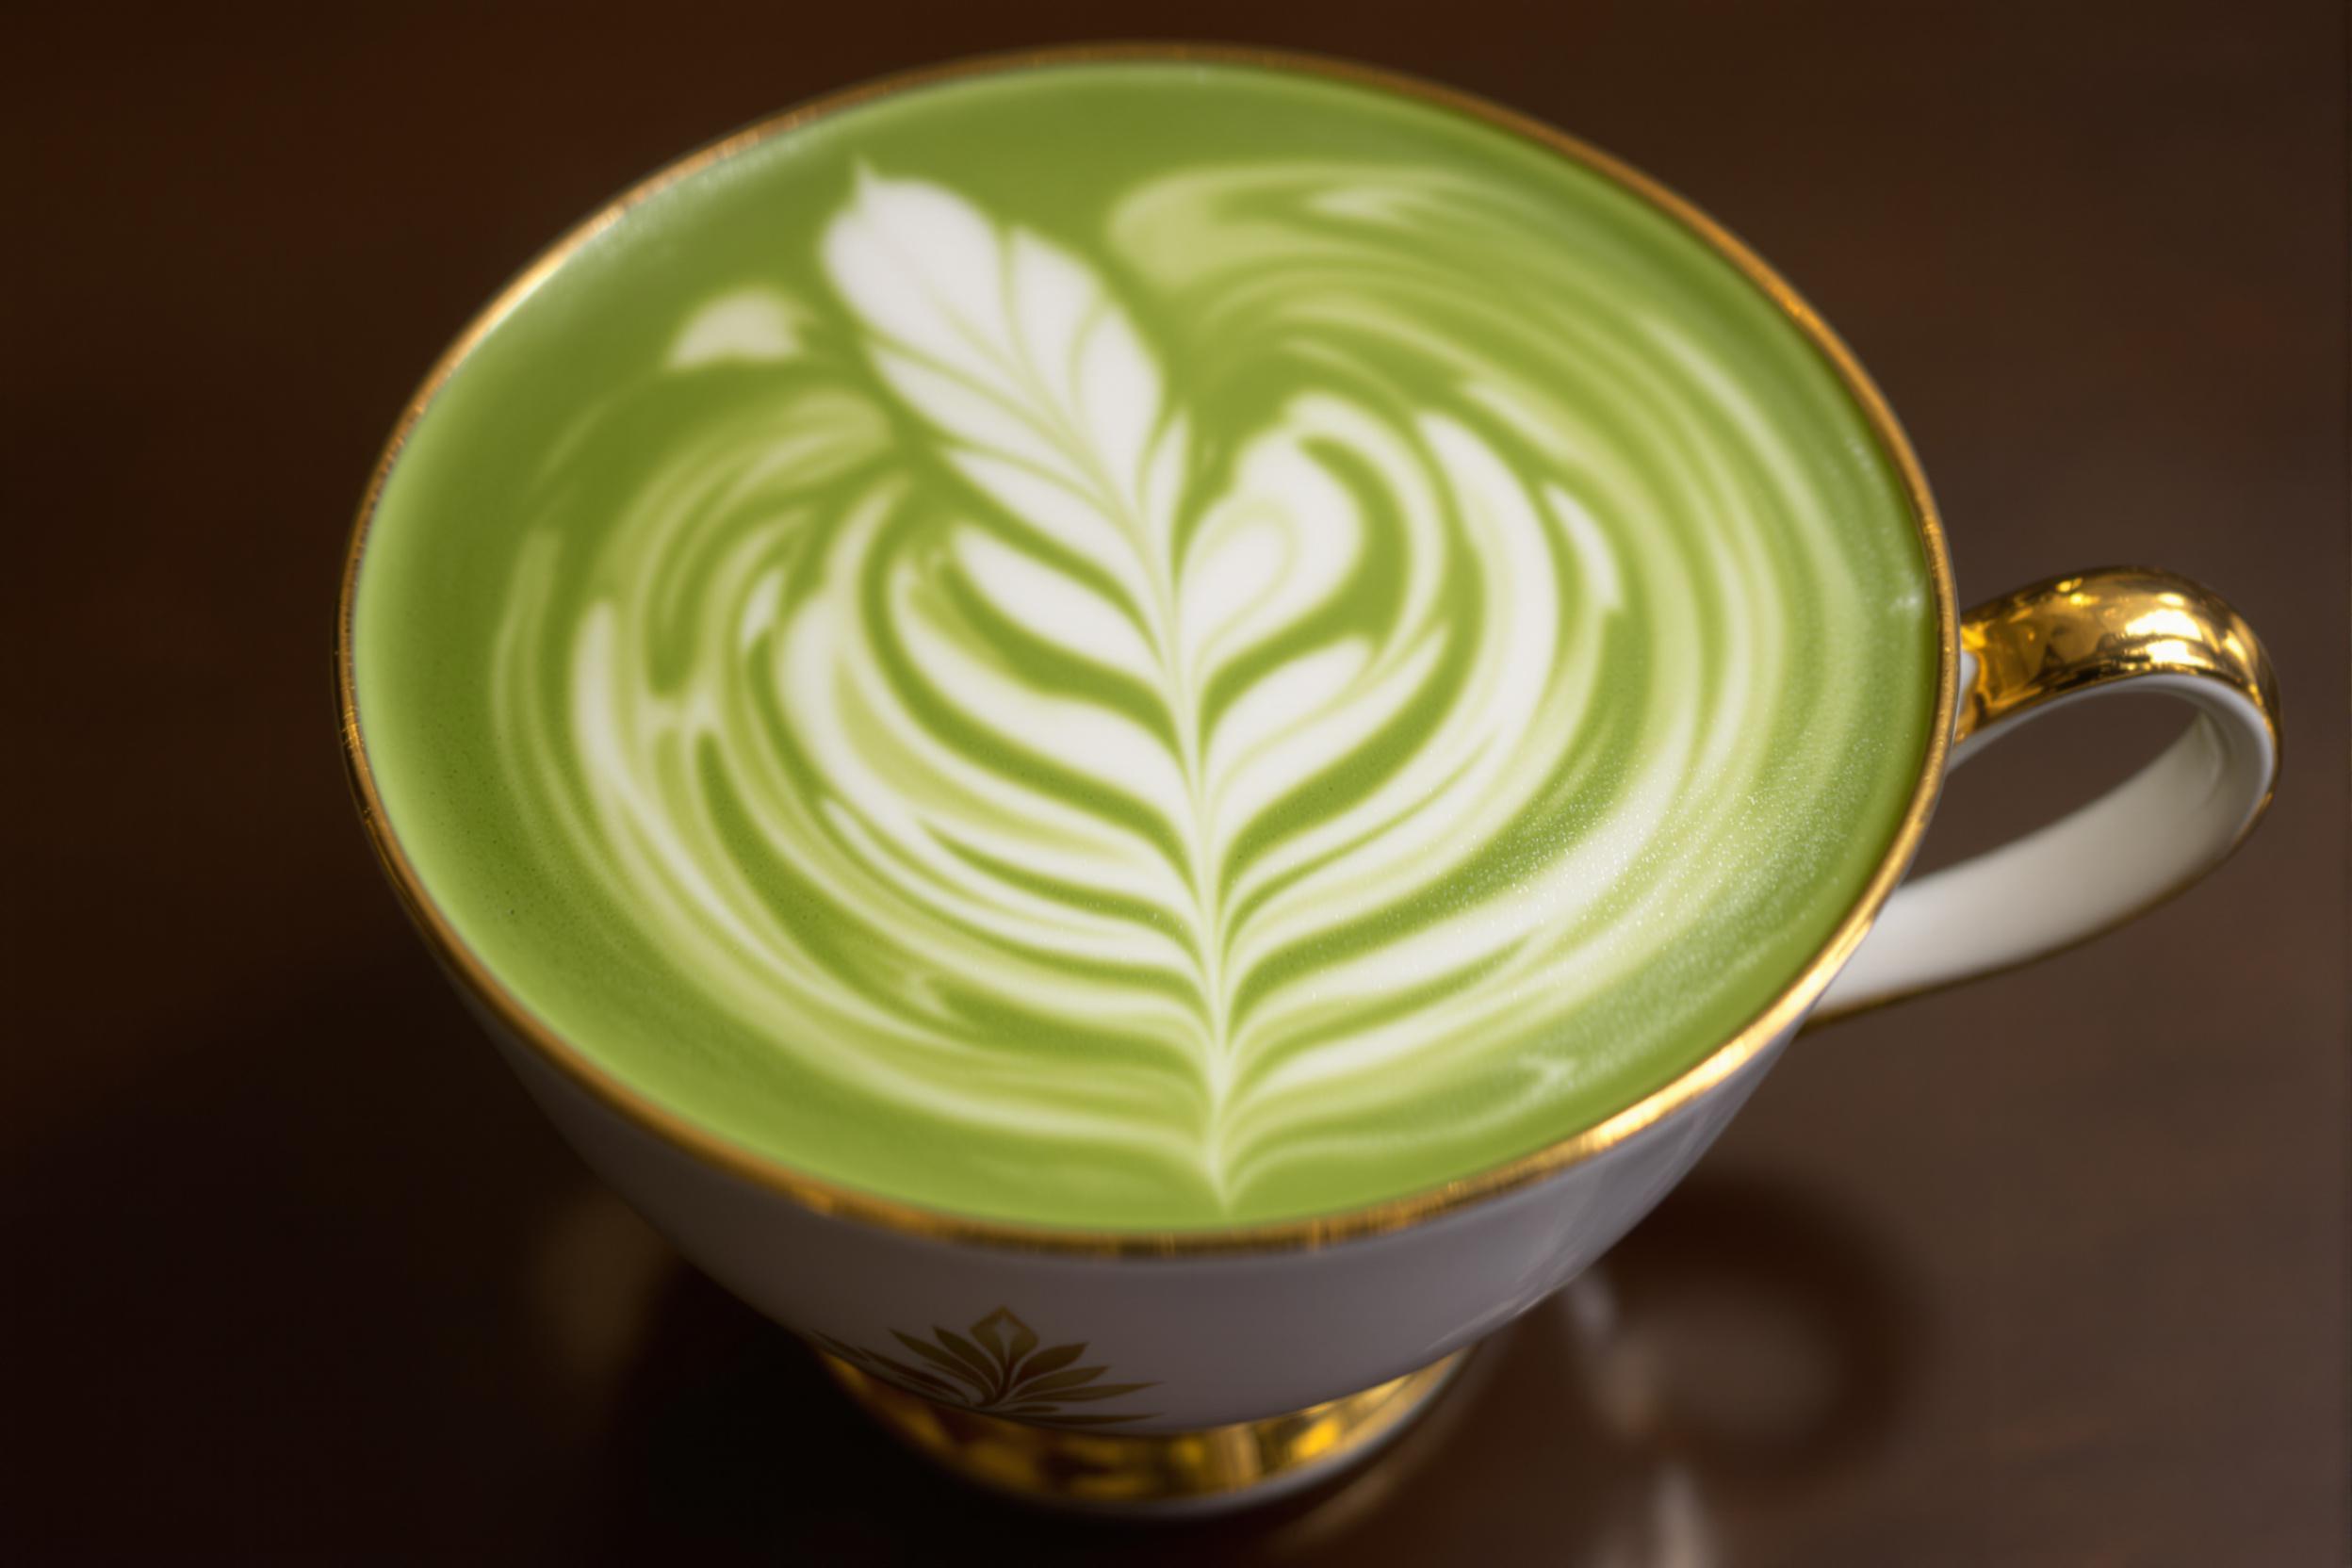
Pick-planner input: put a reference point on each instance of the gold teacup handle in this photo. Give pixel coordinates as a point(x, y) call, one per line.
point(2122, 629)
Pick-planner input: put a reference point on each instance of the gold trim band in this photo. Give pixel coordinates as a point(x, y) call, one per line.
point(1145, 1468)
point(2069, 634)
point(831, 1198)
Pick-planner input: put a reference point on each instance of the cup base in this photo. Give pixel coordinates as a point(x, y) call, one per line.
point(1205, 1471)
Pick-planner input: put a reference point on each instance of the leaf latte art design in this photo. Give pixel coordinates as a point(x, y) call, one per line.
point(1197, 712)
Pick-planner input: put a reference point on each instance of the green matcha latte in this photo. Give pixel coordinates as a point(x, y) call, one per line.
point(1144, 644)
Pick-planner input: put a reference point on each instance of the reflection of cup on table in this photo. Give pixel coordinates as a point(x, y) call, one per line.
point(1144, 736)
point(1738, 1350)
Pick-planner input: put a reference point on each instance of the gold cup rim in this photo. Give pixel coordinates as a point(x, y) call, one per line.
point(842, 1202)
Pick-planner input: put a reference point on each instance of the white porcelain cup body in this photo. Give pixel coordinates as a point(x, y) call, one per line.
point(1223, 1337)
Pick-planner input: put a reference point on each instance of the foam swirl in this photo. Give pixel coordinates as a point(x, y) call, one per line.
point(1219, 708)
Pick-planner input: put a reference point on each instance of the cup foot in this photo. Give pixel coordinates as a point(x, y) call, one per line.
point(1205, 1471)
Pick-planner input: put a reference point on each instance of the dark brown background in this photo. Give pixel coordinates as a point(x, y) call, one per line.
point(2048, 1270)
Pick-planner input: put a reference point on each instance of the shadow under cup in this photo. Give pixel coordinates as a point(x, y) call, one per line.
point(1193, 1367)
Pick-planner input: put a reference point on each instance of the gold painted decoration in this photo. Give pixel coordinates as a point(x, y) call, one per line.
point(996, 1368)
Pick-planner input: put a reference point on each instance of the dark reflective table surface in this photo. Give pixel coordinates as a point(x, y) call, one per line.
point(2052, 1269)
